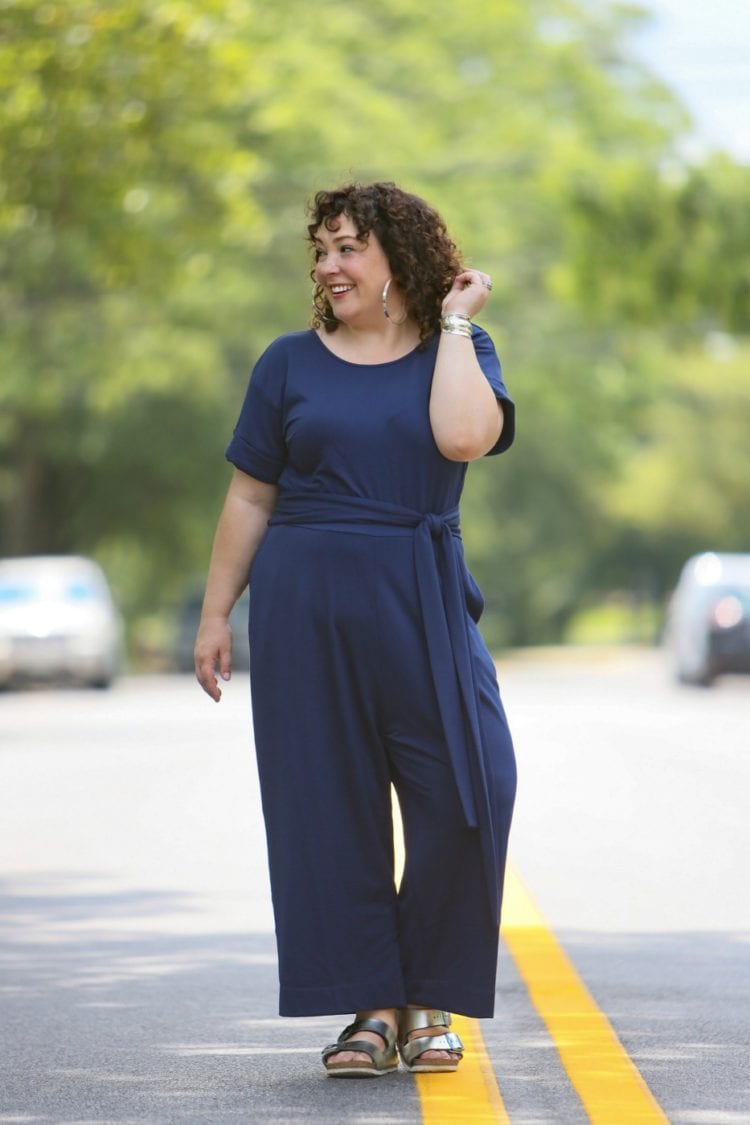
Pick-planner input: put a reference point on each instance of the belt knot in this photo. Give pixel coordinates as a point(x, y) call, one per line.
point(435, 525)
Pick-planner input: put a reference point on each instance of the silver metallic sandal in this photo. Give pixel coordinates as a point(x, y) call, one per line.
point(411, 1050)
point(384, 1060)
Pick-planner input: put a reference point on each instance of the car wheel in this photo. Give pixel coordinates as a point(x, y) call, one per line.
point(704, 677)
point(101, 683)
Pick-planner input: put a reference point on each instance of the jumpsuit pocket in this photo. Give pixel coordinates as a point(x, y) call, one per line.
point(472, 596)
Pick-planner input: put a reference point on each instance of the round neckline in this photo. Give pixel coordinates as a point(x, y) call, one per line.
point(353, 363)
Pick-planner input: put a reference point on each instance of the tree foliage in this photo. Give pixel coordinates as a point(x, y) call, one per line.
point(156, 157)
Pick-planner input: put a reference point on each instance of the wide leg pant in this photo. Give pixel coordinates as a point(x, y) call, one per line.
point(344, 705)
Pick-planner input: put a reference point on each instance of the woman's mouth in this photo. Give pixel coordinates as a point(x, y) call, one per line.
point(338, 291)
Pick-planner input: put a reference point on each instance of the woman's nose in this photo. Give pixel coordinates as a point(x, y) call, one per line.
point(328, 266)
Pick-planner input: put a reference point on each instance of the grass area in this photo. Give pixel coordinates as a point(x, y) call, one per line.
point(618, 620)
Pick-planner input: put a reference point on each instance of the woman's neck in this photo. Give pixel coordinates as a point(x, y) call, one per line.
point(371, 345)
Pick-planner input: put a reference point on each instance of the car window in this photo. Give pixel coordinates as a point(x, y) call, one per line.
point(80, 592)
point(15, 592)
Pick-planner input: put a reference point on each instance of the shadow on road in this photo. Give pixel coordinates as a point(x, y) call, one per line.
point(679, 1004)
point(103, 1022)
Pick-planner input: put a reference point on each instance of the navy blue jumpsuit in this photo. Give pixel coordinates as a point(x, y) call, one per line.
point(367, 669)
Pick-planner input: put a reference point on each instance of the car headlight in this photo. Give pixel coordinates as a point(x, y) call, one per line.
point(727, 612)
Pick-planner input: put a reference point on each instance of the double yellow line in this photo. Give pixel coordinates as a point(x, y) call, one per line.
point(469, 1096)
point(607, 1082)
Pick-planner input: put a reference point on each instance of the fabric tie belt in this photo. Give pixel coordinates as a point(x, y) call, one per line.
point(445, 590)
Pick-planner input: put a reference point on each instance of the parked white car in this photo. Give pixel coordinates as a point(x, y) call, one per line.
point(708, 625)
point(58, 621)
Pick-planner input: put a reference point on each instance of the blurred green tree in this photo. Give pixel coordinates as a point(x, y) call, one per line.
point(156, 157)
point(125, 197)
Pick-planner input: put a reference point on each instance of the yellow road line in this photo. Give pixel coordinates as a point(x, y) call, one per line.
point(471, 1094)
point(603, 1075)
point(605, 1078)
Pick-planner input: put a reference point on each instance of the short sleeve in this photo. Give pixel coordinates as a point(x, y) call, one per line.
point(258, 447)
point(490, 364)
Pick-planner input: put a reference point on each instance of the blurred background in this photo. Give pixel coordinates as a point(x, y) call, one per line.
point(593, 157)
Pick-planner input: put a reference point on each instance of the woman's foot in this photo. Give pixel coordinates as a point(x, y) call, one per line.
point(346, 1058)
point(423, 1024)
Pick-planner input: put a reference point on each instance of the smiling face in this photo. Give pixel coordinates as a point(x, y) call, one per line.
point(351, 271)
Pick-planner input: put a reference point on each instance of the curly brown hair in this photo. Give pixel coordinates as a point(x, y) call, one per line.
point(422, 257)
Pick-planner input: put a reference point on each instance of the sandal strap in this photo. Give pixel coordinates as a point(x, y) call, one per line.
point(380, 1027)
point(363, 1045)
point(413, 1048)
point(379, 1055)
point(412, 1019)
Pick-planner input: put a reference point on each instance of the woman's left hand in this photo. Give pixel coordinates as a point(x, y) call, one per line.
point(468, 294)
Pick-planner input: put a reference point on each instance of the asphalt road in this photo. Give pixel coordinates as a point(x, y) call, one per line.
point(137, 968)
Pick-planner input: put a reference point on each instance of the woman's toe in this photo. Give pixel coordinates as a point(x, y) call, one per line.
point(345, 1057)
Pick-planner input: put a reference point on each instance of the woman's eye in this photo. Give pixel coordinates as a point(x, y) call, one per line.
point(319, 252)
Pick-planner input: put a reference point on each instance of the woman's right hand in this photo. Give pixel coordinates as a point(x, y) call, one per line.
point(212, 653)
point(242, 524)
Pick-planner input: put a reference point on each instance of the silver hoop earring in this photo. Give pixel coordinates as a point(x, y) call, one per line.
point(320, 314)
point(388, 316)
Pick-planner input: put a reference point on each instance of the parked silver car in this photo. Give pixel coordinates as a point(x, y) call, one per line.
point(708, 625)
point(58, 621)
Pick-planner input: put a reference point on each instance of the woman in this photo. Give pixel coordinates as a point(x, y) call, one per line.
point(367, 667)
